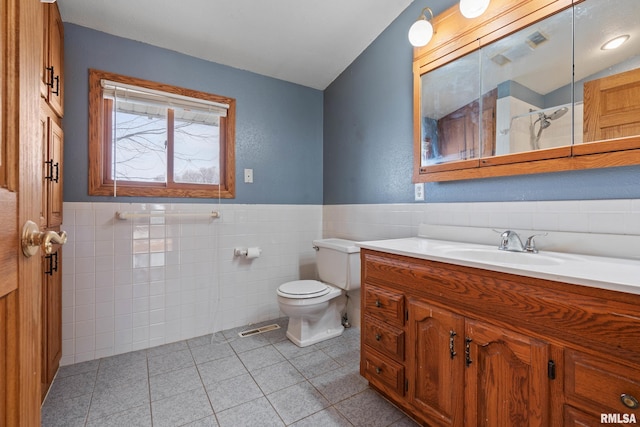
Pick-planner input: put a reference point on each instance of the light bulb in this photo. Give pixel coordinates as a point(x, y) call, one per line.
point(615, 43)
point(473, 8)
point(420, 33)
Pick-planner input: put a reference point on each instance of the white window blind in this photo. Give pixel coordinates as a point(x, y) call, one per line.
point(156, 98)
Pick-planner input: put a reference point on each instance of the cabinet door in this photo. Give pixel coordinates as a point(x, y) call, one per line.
point(54, 188)
point(44, 144)
point(52, 55)
point(51, 318)
point(44, 53)
point(506, 383)
point(436, 353)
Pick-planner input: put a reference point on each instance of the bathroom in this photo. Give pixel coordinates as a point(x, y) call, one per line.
point(331, 162)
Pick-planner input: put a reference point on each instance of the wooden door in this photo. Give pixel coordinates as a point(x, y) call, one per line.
point(20, 197)
point(612, 106)
point(436, 344)
point(506, 382)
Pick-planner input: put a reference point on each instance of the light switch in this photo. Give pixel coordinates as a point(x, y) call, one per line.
point(248, 176)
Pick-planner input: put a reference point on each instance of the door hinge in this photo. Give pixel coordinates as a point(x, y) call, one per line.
point(551, 370)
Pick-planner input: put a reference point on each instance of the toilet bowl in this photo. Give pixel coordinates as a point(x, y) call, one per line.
point(315, 307)
point(313, 317)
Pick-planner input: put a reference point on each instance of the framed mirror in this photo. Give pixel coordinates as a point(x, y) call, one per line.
point(498, 95)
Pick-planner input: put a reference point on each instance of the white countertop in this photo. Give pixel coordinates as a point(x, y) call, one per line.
point(617, 274)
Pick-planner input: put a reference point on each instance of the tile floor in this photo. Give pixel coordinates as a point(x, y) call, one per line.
point(224, 380)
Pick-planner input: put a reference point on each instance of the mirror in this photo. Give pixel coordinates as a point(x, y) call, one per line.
point(517, 99)
point(607, 81)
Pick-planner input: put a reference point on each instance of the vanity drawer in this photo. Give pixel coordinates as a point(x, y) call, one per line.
point(384, 304)
point(384, 338)
point(382, 371)
point(589, 380)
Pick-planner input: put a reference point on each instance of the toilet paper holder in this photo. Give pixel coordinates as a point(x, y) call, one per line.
point(249, 253)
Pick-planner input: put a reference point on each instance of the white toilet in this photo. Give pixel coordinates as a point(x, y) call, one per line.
point(315, 307)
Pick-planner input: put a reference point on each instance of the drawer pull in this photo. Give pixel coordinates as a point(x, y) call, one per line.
point(467, 352)
point(378, 303)
point(378, 370)
point(629, 401)
point(452, 351)
point(378, 337)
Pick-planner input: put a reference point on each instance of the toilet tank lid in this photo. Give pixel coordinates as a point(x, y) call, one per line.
point(342, 245)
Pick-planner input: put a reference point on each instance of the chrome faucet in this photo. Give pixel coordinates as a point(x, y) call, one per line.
point(510, 241)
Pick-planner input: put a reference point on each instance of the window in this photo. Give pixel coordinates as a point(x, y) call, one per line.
point(155, 140)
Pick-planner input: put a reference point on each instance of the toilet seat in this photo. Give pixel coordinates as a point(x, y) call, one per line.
point(300, 289)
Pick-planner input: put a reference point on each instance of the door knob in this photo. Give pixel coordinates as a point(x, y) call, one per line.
point(33, 238)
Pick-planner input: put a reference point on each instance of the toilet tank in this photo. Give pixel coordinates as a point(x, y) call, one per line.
point(338, 262)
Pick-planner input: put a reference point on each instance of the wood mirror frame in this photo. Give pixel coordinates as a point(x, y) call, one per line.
point(456, 37)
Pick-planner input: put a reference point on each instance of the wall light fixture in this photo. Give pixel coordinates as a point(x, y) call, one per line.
point(473, 8)
point(421, 31)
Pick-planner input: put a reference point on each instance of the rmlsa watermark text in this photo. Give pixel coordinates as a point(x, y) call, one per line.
point(617, 418)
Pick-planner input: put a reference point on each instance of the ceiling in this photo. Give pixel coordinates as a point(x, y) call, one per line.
point(305, 42)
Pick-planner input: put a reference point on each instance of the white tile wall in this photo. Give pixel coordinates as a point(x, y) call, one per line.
point(139, 283)
point(132, 284)
point(614, 225)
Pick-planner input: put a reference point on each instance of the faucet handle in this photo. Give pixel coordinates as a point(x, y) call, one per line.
point(530, 245)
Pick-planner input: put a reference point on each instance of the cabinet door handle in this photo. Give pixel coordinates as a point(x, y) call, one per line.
point(378, 303)
point(452, 350)
point(51, 78)
point(467, 351)
point(56, 91)
point(629, 401)
point(50, 175)
point(378, 337)
point(53, 263)
point(378, 370)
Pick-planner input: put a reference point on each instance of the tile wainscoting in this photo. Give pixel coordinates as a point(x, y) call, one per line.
point(133, 284)
point(137, 283)
point(594, 227)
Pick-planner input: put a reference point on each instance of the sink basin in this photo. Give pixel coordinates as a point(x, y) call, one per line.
point(495, 256)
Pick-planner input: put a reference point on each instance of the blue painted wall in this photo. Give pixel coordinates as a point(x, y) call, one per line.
point(368, 139)
point(278, 124)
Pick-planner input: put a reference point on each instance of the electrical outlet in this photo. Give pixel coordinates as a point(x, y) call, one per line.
point(248, 176)
point(418, 190)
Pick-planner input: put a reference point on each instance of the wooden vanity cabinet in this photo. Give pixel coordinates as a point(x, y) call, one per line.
point(484, 348)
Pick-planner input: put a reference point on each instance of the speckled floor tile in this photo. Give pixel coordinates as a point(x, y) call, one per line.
point(262, 380)
point(219, 370)
point(111, 399)
point(276, 377)
point(233, 392)
point(297, 401)
point(251, 414)
point(314, 364)
point(170, 361)
point(174, 382)
point(181, 409)
point(260, 357)
point(135, 417)
point(328, 417)
point(369, 409)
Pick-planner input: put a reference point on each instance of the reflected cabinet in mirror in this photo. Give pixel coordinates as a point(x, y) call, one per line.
point(529, 87)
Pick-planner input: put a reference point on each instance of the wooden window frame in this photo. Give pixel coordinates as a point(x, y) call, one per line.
point(100, 182)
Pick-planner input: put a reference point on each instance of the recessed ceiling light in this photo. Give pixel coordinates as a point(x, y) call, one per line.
point(615, 42)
